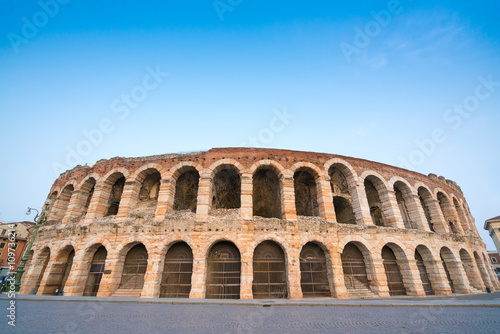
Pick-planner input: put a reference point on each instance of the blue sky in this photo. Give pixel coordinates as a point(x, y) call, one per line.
point(231, 66)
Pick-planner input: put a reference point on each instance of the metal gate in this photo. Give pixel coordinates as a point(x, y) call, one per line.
point(177, 272)
point(424, 277)
point(452, 287)
point(59, 275)
point(269, 272)
point(96, 272)
point(313, 274)
point(134, 268)
point(393, 273)
point(353, 264)
point(223, 272)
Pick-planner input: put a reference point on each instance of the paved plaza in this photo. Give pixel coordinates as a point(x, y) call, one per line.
point(464, 314)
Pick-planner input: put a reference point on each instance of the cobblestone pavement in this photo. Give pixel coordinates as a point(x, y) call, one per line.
point(97, 317)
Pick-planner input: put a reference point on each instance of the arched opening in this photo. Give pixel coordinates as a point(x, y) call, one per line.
point(424, 276)
point(449, 265)
point(393, 273)
point(313, 272)
point(115, 193)
point(150, 187)
point(43, 261)
point(374, 203)
point(266, 193)
point(399, 187)
point(186, 190)
point(444, 204)
point(226, 189)
point(177, 272)
point(269, 272)
point(96, 271)
point(353, 265)
point(134, 269)
point(87, 191)
point(461, 215)
point(306, 194)
point(223, 271)
point(424, 196)
point(481, 266)
point(60, 272)
point(63, 201)
point(342, 199)
point(470, 269)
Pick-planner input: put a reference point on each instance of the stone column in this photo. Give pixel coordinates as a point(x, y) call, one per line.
point(152, 278)
point(418, 215)
point(75, 206)
point(325, 200)
point(52, 276)
point(75, 285)
point(128, 200)
point(204, 201)
point(293, 273)
point(437, 276)
point(98, 203)
point(378, 278)
point(288, 199)
point(437, 218)
point(165, 199)
point(337, 285)
point(390, 209)
point(246, 197)
point(411, 278)
point(111, 281)
point(458, 276)
point(198, 278)
point(246, 277)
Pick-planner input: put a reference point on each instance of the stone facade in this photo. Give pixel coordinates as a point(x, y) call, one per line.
point(256, 223)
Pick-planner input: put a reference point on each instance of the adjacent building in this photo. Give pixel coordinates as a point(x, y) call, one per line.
point(14, 238)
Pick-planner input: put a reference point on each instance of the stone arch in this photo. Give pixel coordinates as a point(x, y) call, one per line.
point(87, 189)
point(270, 279)
point(356, 261)
point(307, 192)
point(470, 269)
point(223, 274)
point(426, 268)
point(186, 179)
point(267, 191)
point(225, 184)
point(62, 201)
point(482, 269)
point(452, 270)
point(147, 184)
point(448, 211)
point(59, 271)
point(177, 271)
point(134, 269)
point(315, 279)
point(425, 198)
point(394, 258)
point(95, 268)
point(314, 170)
point(406, 202)
point(141, 172)
point(39, 267)
point(462, 219)
point(266, 163)
point(114, 183)
point(376, 191)
point(346, 169)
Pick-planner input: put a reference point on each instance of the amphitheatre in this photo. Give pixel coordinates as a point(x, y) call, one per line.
point(252, 223)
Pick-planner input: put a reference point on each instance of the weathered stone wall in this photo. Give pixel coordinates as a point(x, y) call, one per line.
point(147, 215)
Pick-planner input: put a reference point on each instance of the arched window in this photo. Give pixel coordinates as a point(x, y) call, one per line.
point(403, 208)
point(446, 209)
point(223, 271)
point(393, 273)
point(374, 202)
point(424, 276)
point(266, 193)
point(96, 271)
point(269, 271)
point(115, 194)
point(87, 191)
point(186, 190)
point(150, 187)
point(353, 265)
point(342, 198)
point(226, 189)
point(177, 272)
point(306, 195)
point(134, 269)
point(63, 201)
point(424, 196)
point(313, 272)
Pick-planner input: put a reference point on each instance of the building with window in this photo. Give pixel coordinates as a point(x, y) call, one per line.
point(18, 246)
point(256, 223)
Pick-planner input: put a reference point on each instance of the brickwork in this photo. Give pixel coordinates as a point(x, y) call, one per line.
point(81, 222)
